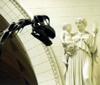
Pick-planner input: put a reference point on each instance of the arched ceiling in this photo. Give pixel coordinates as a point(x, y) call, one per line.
point(38, 53)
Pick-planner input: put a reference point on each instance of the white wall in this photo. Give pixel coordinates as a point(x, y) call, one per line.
point(66, 11)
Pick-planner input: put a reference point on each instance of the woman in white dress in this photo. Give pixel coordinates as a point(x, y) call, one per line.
point(68, 45)
point(80, 66)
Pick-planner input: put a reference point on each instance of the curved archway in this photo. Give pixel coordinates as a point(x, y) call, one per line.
point(15, 67)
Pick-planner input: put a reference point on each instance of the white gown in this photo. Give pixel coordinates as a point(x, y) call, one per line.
point(66, 40)
point(80, 64)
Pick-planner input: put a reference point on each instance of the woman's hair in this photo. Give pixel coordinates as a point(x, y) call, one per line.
point(66, 26)
point(83, 20)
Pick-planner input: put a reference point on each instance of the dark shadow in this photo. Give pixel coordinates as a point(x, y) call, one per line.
point(15, 65)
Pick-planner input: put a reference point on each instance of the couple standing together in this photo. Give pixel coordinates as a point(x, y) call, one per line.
point(79, 50)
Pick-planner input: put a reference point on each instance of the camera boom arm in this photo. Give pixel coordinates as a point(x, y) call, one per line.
point(40, 30)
